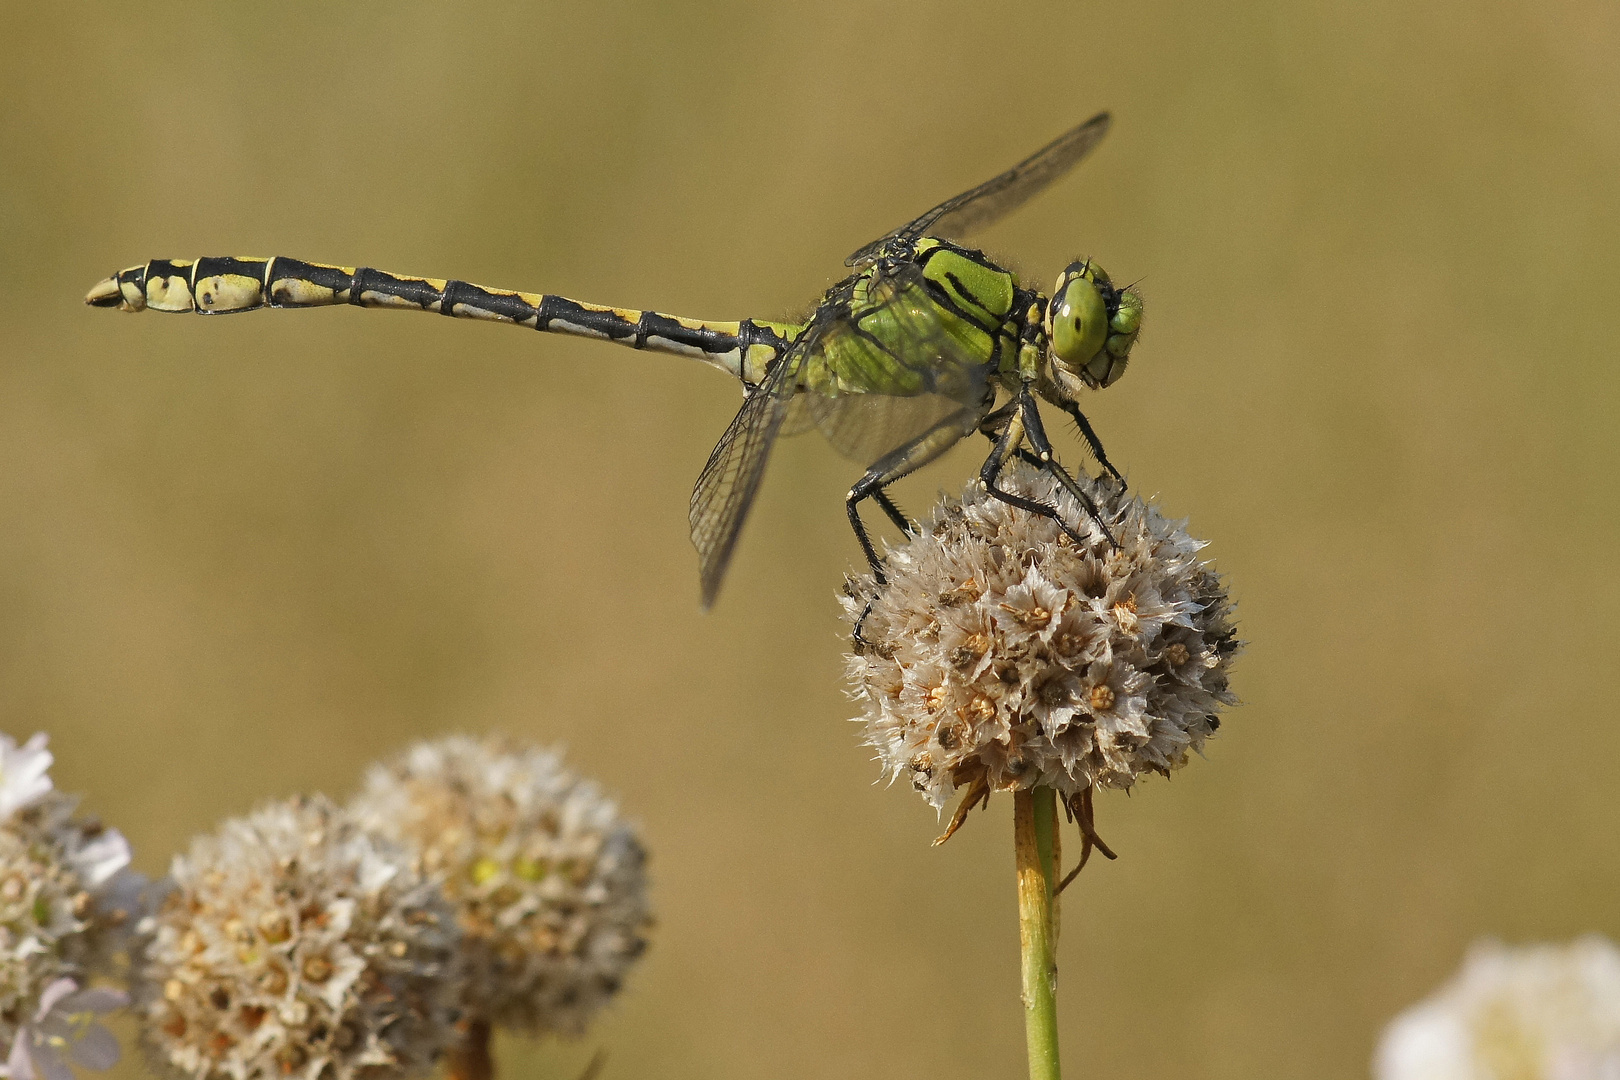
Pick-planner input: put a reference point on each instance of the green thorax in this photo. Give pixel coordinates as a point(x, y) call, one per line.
point(895, 330)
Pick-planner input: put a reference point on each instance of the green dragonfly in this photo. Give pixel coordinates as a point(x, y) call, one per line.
point(902, 359)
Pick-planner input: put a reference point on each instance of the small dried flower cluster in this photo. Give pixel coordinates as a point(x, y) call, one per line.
point(547, 879)
point(1537, 1012)
point(1001, 655)
point(295, 943)
point(470, 883)
point(59, 923)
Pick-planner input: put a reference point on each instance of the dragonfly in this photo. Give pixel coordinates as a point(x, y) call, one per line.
point(923, 344)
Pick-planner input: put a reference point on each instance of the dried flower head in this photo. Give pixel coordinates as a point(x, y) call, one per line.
point(1536, 1012)
point(57, 873)
point(547, 878)
point(1002, 655)
point(295, 943)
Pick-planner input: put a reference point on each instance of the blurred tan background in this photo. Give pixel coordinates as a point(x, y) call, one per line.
point(1380, 247)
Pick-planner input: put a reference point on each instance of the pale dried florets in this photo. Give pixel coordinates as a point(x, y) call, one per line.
point(1535, 1012)
point(295, 943)
point(56, 929)
point(548, 879)
point(1001, 654)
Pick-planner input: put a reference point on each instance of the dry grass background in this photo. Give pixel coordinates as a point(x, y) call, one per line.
point(243, 557)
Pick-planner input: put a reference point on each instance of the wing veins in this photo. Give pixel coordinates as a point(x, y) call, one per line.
point(987, 203)
point(730, 480)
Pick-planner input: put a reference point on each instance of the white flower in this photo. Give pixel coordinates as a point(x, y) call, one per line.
point(100, 857)
point(67, 903)
point(64, 1028)
point(1536, 1012)
point(23, 773)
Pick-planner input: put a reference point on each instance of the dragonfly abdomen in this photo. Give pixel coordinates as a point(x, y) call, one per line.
point(224, 284)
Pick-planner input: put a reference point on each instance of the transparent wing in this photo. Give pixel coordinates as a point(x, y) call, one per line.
point(867, 427)
point(889, 367)
point(730, 480)
point(998, 196)
point(799, 418)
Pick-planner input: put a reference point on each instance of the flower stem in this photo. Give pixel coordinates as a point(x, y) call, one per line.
point(469, 1058)
point(1034, 828)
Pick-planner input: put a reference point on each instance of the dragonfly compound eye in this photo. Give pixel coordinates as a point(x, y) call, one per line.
point(1077, 317)
point(1107, 366)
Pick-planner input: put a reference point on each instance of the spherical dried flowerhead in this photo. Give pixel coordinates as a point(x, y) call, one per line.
point(58, 874)
point(1536, 1012)
point(547, 878)
point(295, 943)
point(1001, 654)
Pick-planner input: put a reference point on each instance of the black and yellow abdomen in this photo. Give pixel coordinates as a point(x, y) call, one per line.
point(227, 284)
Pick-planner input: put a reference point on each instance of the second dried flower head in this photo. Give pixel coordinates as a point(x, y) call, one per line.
point(547, 879)
point(294, 943)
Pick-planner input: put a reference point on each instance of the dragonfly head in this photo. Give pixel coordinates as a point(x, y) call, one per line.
point(1091, 325)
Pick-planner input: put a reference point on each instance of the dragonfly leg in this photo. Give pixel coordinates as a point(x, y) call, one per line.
point(896, 515)
point(1007, 447)
point(991, 428)
point(1092, 441)
point(992, 424)
point(1029, 459)
point(893, 466)
point(1038, 441)
point(900, 463)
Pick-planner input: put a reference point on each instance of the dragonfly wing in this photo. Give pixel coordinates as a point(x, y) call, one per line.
point(998, 196)
point(730, 480)
point(799, 418)
point(890, 368)
point(865, 427)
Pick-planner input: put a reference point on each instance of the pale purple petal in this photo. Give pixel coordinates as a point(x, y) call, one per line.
point(125, 898)
point(48, 1064)
point(19, 1065)
point(100, 999)
point(96, 1048)
point(55, 992)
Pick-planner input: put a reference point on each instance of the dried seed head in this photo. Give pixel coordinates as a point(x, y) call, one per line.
point(1012, 655)
point(547, 878)
point(1536, 1012)
point(295, 943)
point(66, 903)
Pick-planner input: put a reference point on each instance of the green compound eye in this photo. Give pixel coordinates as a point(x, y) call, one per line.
point(1128, 319)
point(1079, 322)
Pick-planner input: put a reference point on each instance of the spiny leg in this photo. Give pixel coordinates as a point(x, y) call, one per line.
point(1092, 441)
point(1048, 462)
point(991, 426)
point(894, 466)
point(903, 523)
point(1007, 446)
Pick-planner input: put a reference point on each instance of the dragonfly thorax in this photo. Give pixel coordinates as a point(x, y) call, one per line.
point(1090, 327)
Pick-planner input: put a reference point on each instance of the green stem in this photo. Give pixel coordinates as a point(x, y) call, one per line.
point(1034, 821)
